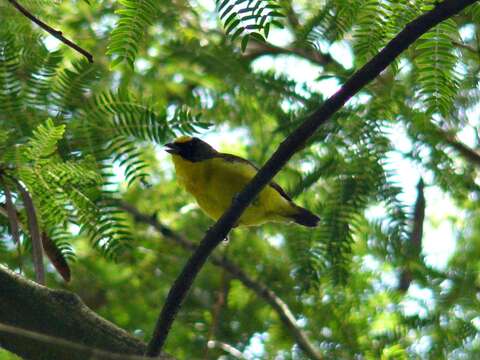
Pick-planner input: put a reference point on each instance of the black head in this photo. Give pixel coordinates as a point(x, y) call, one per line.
point(192, 149)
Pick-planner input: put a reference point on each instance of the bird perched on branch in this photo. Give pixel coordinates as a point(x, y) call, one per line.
point(214, 178)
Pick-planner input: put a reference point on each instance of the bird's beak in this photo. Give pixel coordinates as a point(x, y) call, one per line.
point(172, 148)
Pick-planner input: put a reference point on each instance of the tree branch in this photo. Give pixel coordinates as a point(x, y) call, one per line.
point(414, 247)
point(466, 47)
point(58, 314)
point(229, 349)
point(262, 291)
point(463, 150)
point(293, 143)
point(52, 31)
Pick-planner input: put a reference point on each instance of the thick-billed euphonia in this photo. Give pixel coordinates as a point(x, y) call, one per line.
point(214, 178)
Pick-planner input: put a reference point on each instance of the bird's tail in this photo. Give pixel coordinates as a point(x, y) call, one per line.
point(304, 217)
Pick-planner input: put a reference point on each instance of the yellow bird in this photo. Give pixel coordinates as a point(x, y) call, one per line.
point(214, 178)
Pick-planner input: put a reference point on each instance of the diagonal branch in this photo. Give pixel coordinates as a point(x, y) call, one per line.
point(293, 143)
point(256, 49)
point(262, 291)
point(56, 33)
point(229, 349)
point(466, 47)
point(414, 247)
point(462, 149)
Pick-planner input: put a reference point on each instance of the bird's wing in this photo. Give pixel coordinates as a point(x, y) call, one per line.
point(235, 158)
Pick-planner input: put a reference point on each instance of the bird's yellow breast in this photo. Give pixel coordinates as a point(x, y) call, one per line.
point(214, 182)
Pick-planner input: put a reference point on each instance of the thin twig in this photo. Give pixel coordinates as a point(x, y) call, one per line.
point(56, 33)
point(256, 49)
point(229, 349)
point(291, 15)
point(292, 144)
point(462, 149)
point(466, 47)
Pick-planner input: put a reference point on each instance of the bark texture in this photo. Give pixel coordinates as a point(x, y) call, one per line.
point(58, 314)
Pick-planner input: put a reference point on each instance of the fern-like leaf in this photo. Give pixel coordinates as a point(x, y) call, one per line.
point(125, 119)
point(249, 18)
point(370, 34)
point(44, 141)
point(39, 85)
point(121, 113)
point(331, 23)
point(437, 78)
point(10, 87)
point(70, 86)
point(134, 19)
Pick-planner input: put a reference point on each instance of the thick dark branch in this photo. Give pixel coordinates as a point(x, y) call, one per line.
point(55, 313)
point(262, 291)
point(286, 150)
point(415, 245)
point(52, 31)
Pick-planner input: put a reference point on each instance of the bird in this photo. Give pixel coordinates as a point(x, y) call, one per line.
point(215, 178)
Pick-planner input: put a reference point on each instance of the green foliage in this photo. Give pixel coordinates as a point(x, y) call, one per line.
point(332, 22)
point(9, 82)
point(378, 22)
point(134, 19)
point(65, 191)
point(125, 115)
point(371, 28)
point(436, 61)
point(127, 120)
point(475, 11)
point(249, 18)
point(72, 85)
point(82, 138)
point(43, 143)
point(67, 164)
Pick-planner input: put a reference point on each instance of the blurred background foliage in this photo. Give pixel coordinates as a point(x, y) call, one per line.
point(86, 141)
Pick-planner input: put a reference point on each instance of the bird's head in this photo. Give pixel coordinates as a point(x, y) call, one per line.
point(191, 148)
